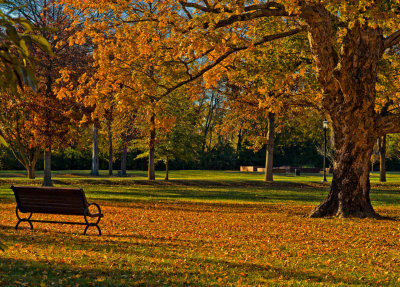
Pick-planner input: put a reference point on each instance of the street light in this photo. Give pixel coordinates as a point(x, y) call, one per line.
point(325, 126)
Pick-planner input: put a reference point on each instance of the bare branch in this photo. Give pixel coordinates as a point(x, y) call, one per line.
point(187, 13)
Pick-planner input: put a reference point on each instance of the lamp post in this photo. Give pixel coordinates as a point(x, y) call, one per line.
point(325, 126)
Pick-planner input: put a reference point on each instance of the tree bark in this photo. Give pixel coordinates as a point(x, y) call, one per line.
point(151, 168)
point(209, 119)
point(27, 156)
point(47, 168)
point(28, 159)
point(31, 171)
point(270, 148)
point(167, 168)
point(348, 87)
point(123, 159)
point(382, 158)
point(350, 188)
point(239, 144)
point(110, 149)
point(95, 152)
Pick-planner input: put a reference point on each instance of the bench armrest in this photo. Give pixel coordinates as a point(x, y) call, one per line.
point(98, 214)
point(95, 215)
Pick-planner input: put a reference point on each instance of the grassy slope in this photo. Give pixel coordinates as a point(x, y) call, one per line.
point(204, 228)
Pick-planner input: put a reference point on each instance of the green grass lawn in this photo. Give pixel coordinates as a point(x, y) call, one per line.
point(203, 228)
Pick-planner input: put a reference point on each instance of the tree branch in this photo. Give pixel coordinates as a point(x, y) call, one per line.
point(250, 12)
point(265, 6)
point(388, 124)
point(231, 51)
point(326, 58)
point(392, 40)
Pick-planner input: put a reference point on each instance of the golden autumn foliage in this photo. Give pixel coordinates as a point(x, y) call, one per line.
point(161, 46)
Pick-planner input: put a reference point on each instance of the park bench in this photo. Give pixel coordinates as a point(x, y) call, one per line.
point(51, 200)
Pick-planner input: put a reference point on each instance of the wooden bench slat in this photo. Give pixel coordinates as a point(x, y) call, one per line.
point(49, 210)
point(40, 201)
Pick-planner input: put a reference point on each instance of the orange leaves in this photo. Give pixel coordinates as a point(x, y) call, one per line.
point(203, 233)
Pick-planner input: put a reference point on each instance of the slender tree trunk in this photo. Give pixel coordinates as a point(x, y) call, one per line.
point(270, 148)
point(239, 145)
point(95, 152)
point(167, 168)
point(27, 159)
point(47, 168)
point(382, 158)
point(110, 149)
point(123, 159)
point(31, 171)
point(151, 168)
point(209, 118)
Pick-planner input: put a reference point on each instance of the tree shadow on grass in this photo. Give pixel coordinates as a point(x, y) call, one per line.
point(199, 272)
point(45, 273)
point(251, 193)
point(210, 194)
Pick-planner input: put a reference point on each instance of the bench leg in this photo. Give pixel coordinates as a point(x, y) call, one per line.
point(94, 223)
point(98, 228)
point(23, 219)
point(87, 227)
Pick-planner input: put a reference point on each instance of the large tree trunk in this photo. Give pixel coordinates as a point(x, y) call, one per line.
point(95, 152)
point(151, 168)
point(47, 168)
point(382, 158)
point(110, 149)
point(350, 188)
point(348, 86)
point(270, 148)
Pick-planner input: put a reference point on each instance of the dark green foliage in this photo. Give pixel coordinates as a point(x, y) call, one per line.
point(221, 157)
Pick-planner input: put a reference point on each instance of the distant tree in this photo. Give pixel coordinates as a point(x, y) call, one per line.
point(382, 158)
point(265, 88)
point(18, 72)
point(53, 116)
point(136, 71)
point(126, 132)
point(182, 141)
point(95, 150)
point(15, 115)
point(15, 60)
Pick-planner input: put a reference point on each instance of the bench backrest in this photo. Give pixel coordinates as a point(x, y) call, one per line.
point(68, 201)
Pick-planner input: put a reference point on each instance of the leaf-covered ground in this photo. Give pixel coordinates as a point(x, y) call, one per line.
point(204, 229)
